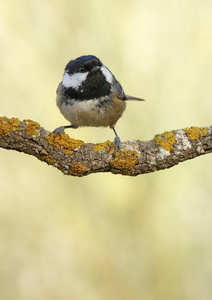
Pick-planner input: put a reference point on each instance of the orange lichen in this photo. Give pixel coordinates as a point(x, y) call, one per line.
point(165, 140)
point(78, 169)
point(125, 161)
point(31, 127)
point(101, 146)
point(7, 125)
point(64, 142)
point(196, 133)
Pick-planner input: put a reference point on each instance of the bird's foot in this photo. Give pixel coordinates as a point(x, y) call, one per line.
point(116, 142)
point(59, 130)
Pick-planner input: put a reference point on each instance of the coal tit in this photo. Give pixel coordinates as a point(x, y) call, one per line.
point(89, 95)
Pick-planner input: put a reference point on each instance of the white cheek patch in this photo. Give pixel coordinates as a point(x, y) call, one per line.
point(74, 80)
point(108, 75)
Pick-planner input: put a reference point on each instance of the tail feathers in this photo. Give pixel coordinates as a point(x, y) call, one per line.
point(128, 97)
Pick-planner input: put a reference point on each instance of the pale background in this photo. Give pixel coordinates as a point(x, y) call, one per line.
point(107, 236)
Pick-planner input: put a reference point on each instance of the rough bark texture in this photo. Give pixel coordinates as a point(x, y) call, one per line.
point(74, 157)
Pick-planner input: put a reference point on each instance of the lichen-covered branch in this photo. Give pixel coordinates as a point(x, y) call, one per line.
point(74, 157)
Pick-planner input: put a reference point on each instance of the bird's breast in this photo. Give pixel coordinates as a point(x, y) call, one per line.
point(104, 111)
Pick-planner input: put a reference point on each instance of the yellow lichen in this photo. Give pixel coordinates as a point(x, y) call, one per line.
point(165, 140)
point(137, 172)
point(101, 146)
point(64, 142)
point(7, 125)
point(125, 161)
point(31, 127)
point(196, 133)
point(78, 169)
point(44, 152)
point(48, 159)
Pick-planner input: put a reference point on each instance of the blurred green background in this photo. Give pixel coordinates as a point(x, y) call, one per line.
point(107, 236)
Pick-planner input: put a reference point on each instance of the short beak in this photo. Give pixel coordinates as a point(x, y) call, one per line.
point(95, 69)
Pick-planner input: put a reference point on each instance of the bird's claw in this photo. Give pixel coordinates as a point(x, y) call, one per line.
point(116, 142)
point(59, 130)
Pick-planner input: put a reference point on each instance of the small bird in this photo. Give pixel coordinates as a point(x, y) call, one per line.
point(89, 95)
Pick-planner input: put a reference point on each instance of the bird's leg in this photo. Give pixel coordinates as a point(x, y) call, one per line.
point(61, 129)
point(116, 141)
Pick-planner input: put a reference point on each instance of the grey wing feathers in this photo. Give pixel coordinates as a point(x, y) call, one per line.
point(59, 88)
point(117, 88)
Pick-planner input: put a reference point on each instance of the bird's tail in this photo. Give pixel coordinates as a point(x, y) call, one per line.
point(128, 97)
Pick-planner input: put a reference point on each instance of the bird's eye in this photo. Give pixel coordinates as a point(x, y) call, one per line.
point(82, 69)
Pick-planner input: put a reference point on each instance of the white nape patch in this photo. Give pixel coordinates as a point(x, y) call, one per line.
point(108, 75)
point(74, 80)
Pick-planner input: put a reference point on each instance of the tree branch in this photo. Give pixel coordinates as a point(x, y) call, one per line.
point(74, 157)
